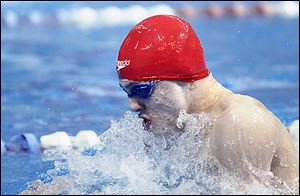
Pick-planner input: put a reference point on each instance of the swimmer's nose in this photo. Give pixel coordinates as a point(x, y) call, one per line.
point(134, 105)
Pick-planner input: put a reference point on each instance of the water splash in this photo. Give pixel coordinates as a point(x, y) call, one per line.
point(131, 160)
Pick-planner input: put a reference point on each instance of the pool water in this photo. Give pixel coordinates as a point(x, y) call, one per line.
point(63, 78)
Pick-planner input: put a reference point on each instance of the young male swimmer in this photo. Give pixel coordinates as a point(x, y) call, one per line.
point(161, 67)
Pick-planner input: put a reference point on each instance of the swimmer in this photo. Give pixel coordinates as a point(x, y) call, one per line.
point(161, 67)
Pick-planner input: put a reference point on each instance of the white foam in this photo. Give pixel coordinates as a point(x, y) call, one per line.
point(130, 160)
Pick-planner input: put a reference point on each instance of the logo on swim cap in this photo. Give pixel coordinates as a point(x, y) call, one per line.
point(122, 64)
point(162, 47)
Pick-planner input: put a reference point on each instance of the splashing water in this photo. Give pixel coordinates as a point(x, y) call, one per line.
point(131, 160)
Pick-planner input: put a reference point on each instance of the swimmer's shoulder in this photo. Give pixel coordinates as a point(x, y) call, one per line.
point(247, 115)
point(239, 100)
point(246, 108)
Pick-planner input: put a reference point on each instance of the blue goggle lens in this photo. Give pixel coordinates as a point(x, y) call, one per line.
point(143, 90)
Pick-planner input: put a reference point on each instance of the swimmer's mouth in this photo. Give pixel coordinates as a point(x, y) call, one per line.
point(146, 121)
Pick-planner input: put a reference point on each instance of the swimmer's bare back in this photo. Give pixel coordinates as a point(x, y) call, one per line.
point(247, 136)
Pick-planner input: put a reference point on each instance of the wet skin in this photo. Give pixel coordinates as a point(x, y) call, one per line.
point(245, 135)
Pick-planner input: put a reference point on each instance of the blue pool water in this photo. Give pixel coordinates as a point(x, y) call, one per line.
point(62, 78)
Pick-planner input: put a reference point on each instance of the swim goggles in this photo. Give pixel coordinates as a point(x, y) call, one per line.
point(143, 90)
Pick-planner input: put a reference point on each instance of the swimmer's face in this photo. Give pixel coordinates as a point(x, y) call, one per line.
point(158, 103)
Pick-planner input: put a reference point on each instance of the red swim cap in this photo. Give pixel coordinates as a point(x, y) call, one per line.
point(162, 47)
